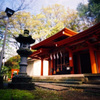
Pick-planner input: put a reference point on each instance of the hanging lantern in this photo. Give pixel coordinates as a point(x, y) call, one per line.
point(57, 69)
point(54, 72)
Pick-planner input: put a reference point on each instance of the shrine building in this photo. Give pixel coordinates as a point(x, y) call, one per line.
point(67, 52)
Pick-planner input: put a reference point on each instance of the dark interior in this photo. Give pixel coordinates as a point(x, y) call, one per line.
point(85, 63)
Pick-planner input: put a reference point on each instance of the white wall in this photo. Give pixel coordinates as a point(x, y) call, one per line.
point(37, 68)
point(45, 68)
point(30, 69)
point(34, 68)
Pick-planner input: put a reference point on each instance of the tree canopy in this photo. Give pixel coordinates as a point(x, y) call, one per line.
point(41, 26)
point(45, 24)
point(90, 12)
point(13, 62)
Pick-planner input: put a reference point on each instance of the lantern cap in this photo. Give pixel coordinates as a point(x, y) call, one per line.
point(26, 31)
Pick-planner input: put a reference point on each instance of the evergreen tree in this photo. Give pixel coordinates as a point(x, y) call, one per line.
point(90, 12)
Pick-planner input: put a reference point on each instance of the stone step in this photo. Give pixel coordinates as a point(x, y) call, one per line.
point(58, 77)
point(61, 82)
point(92, 76)
point(92, 79)
point(90, 82)
point(74, 79)
point(97, 82)
point(50, 86)
point(63, 79)
point(73, 82)
point(81, 86)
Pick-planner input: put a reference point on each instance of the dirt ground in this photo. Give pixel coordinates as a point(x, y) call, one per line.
point(70, 94)
point(79, 95)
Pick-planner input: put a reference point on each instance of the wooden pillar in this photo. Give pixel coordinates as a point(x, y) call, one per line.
point(50, 67)
point(79, 64)
point(61, 63)
point(54, 62)
point(71, 61)
point(41, 67)
point(98, 59)
point(92, 59)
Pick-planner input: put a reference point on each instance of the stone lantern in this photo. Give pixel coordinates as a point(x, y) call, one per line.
point(24, 50)
point(22, 80)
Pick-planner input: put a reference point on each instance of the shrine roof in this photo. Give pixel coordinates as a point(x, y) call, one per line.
point(65, 37)
point(50, 42)
point(40, 53)
point(82, 36)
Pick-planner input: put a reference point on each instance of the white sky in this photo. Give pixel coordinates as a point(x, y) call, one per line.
point(38, 4)
point(72, 4)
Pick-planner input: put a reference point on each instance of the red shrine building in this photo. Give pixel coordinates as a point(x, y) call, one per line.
point(68, 52)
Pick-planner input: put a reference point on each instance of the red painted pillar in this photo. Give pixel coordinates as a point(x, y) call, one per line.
point(98, 59)
point(41, 67)
point(51, 66)
point(71, 61)
point(92, 59)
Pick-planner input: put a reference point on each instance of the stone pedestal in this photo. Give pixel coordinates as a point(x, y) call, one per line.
point(22, 82)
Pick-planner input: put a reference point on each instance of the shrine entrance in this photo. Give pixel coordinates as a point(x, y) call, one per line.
point(85, 63)
point(82, 63)
point(61, 63)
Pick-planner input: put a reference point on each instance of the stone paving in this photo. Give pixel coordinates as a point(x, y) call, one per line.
point(61, 87)
point(50, 86)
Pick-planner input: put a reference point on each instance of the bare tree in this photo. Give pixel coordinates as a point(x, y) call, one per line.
point(16, 5)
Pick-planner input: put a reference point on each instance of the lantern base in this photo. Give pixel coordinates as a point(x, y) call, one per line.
point(22, 82)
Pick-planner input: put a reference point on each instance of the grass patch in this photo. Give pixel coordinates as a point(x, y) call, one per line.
point(37, 94)
point(15, 94)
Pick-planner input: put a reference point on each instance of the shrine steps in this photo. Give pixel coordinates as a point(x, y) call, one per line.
point(88, 82)
point(66, 79)
point(70, 79)
point(92, 79)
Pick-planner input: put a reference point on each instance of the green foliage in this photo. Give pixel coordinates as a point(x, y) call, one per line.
point(41, 26)
point(13, 62)
point(94, 10)
point(51, 20)
point(90, 11)
point(37, 94)
point(9, 94)
point(4, 70)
